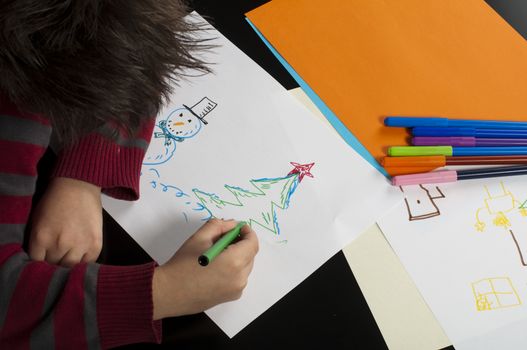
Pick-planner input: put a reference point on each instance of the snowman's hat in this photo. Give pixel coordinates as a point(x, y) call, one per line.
point(202, 108)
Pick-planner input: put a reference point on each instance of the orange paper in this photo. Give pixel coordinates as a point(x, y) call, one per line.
point(368, 59)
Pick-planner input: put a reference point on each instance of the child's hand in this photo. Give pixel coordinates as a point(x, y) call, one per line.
point(67, 223)
point(182, 286)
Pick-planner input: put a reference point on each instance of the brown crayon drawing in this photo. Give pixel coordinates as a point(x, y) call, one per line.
point(420, 201)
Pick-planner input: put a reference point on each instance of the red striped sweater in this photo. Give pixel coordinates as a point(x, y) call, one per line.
point(89, 306)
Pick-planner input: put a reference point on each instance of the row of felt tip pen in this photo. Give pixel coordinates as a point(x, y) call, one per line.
point(438, 142)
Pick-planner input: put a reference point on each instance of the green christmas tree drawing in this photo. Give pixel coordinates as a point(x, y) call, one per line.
point(265, 194)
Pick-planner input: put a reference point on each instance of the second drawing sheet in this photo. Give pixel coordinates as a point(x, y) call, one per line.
point(465, 246)
point(235, 144)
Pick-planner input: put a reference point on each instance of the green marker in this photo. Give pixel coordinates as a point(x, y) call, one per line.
point(220, 245)
point(410, 151)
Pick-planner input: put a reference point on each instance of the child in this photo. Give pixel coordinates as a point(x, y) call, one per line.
point(91, 74)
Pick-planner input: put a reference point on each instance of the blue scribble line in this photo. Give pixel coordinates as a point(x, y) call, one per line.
point(155, 172)
point(201, 207)
point(179, 193)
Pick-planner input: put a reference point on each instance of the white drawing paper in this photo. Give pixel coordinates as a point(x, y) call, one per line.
point(235, 144)
point(465, 246)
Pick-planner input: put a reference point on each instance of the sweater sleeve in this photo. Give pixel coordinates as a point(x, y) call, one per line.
point(89, 306)
point(112, 163)
point(47, 306)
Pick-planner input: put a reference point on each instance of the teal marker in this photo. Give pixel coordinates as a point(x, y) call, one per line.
point(220, 245)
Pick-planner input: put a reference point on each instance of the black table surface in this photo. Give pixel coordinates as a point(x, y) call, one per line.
point(328, 309)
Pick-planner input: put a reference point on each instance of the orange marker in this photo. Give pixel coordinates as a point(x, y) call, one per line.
point(440, 161)
point(394, 171)
point(424, 161)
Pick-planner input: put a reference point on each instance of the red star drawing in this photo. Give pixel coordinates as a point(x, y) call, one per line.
point(302, 170)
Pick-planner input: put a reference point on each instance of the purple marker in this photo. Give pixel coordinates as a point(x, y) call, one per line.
point(466, 141)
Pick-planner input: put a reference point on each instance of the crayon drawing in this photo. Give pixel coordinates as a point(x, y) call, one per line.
point(495, 293)
point(183, 200)
point(266, 194)
point(421, 201)
point(499, 207)
point(180, 124)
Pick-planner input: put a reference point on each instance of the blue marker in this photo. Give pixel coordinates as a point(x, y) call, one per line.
point(469, 132)
point(411, 122)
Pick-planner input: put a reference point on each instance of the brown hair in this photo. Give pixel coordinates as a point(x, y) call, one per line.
point(83, 63)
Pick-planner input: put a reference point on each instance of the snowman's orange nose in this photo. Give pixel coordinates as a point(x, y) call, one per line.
point(179, 123)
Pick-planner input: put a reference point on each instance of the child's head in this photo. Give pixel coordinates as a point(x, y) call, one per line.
point(85, 62)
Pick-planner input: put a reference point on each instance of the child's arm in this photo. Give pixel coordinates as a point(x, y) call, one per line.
point(91, 305)
point(112, 164)
point(67, 225)
point(50, 306)
point(100, 306)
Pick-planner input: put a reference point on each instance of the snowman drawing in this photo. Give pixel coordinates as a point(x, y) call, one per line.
point(180, 124)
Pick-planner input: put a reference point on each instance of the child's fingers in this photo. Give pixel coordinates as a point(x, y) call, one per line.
point(71, 258)
point(214, 228)
point(54, 256)
point(90, 256)
point(247, 230)
point(37, 252)
point(248, 237)
point(243, 277)
point(247, 247)
point(247, 270)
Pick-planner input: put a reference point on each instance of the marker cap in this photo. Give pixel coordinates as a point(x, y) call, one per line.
point(402, 151)
point(465, 141)
point(425, 178)
point(394, 171)
point(443, 132)
point(427, 161)
point(410, 122)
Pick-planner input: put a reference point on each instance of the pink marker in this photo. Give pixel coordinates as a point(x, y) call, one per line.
point(433, 177)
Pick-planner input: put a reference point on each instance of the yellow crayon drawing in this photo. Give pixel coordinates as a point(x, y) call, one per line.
point(480, 226)
point(495, 293)
point(497, 210)
point(501, 220)
point(496, 207)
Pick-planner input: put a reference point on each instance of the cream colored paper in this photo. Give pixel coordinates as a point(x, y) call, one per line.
point(402, 315)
